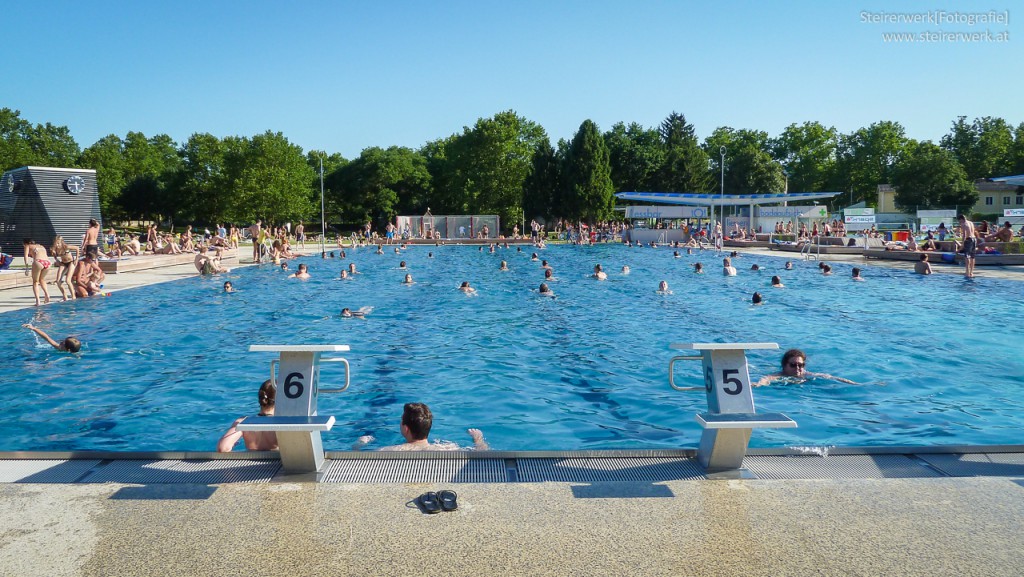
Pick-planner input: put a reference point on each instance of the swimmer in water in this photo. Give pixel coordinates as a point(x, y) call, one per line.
point(625, 269)
point(408, 279)
point(777, 282)
point(598, 273)
point(663, 288)
point(545, 290)
point(254, 440)
point(401, 265)
point(727, 268)
point(698, 268)
point(302, 273)
point(504, 266)
point(789, 265)
point(794, 365)
point(360, 313)
point(228, 288)
point(856, 274)
point(464, 287)
point(69, 345)
point(757, 299)
point(415, 427)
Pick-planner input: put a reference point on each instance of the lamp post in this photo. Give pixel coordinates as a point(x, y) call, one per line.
point(721, 189)
point(323, 220)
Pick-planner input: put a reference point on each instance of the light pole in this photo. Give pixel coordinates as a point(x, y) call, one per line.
point(323, 220)
point(721, 189)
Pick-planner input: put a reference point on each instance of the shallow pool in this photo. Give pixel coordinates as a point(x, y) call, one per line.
point(167, 367)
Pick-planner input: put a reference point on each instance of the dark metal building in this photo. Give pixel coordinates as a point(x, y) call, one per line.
point(40, 203)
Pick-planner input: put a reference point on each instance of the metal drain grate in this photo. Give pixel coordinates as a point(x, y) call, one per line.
point(835, 467)
point(590, 470)
point(978, 464)
point(415, 471)
point(173, 471)
point(44, 471)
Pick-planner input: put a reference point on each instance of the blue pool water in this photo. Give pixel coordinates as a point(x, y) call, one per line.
point(167, 367)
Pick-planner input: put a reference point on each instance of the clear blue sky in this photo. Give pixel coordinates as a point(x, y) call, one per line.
point(342, 76)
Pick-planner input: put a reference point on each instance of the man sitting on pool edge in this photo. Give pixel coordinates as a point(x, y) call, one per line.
point(416, 422)
point(794, 363)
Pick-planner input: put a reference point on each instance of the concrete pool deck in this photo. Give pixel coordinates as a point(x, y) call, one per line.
point(670, 527)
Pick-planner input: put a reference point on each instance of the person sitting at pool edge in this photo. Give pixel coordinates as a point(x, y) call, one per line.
point(416, 423)
point(254, 440)
point(70, 344)
point(794, 364)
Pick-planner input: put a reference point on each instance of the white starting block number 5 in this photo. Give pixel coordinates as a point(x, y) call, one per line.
point(727, 381)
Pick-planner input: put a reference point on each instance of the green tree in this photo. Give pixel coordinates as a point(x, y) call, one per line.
point(588, 181)
point(106, 157)
point(24, 144)
point(485, 166)
point(1017, 154)
point(684, 165)
point(984, 147)
point(270, 179)
point(749, 168)
point(15, 151)
point(930, 177)
point(154, 162)
point(201, 180)
point(808, 154)
point(380, 183)
point(331, 163)
point(636, 155)
point(867, 158)
point(541, 183)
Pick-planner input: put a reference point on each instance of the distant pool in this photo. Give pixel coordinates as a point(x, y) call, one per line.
point(166, 367)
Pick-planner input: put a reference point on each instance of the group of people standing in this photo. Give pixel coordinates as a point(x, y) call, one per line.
point(78, 272)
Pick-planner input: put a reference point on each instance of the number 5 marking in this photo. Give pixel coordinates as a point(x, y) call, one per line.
point(731, 381)
point(293, 387)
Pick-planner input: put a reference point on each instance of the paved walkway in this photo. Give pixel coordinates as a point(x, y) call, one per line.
point(866, 527)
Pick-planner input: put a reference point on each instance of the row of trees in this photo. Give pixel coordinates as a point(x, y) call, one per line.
point(506, 165)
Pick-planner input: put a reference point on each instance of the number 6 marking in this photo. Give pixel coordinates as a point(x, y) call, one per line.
point(293, 388)
point(731, 380)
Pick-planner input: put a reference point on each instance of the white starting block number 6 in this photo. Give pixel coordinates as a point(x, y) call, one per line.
point(293, 387)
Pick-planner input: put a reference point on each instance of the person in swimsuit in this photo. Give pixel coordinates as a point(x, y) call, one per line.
point(254, 440)
point(794, 363)
point(65, 258)
point(416, 423)
point(90, 244)
point(85, 278)
point(970, 245)
point(40, 264)
point(70, 344)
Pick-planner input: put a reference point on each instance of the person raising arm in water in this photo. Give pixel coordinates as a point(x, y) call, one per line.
point(254, 440)
point(794, 366)
point(70, 344)
point(416, 422)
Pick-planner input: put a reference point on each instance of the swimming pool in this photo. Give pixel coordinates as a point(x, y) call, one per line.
point(166, 367)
